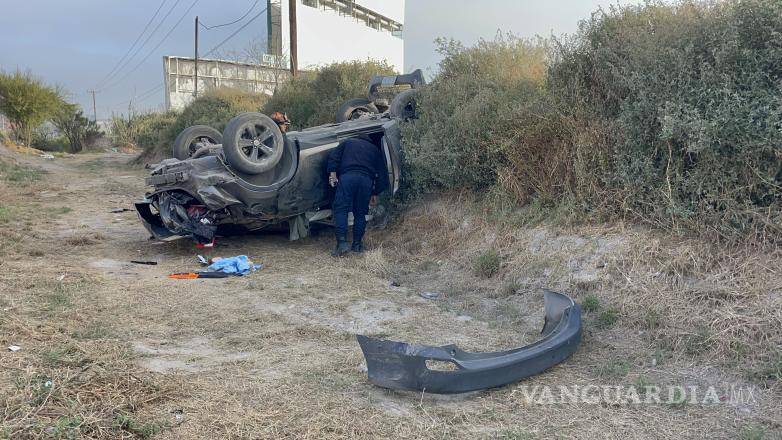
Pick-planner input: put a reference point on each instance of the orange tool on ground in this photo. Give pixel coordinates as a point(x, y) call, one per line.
point(194, 275)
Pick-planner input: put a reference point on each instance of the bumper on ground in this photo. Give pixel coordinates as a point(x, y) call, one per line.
point(399, 365)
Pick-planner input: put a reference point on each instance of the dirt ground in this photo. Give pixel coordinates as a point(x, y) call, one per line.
point(113, 349)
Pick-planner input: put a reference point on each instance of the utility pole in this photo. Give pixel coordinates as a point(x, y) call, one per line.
point(195, 71)
point(292, 20)
point(94, 108)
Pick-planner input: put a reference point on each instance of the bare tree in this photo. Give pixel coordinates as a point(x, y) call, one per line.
point(256, 52)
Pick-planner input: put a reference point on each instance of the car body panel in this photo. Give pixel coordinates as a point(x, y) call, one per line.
point(399, 365)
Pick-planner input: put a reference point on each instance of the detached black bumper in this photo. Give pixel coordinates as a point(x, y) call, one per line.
point(402, 366)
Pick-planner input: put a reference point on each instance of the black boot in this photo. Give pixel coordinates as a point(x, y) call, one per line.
point(357, 247)
point(341, 248)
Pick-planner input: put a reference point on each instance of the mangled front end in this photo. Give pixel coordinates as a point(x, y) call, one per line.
point(187, 199)
point(399, 365)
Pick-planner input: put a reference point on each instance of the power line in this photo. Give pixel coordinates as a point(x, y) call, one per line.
point(134, 44)
point(142, 96)
point(149, 93)
point(146, 40)
point(233, 22)
point(235, 32)
point(173, 28)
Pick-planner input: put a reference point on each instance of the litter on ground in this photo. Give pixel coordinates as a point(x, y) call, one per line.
point(238, 265)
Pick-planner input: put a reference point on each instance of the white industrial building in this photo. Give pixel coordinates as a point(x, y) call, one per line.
point(329, 31)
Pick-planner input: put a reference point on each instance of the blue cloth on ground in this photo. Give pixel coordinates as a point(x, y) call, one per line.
point(239, 265)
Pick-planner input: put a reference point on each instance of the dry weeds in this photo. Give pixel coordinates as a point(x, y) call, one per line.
point(131, 353)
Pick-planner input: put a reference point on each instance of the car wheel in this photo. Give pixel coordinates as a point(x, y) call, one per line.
point(193, 139)
point(404, 105)
point(355, 109)
point(252, 143)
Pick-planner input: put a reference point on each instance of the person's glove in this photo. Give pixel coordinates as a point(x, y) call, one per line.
point(333, 179)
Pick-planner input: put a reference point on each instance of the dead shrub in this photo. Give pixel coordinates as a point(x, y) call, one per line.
point(84, 239)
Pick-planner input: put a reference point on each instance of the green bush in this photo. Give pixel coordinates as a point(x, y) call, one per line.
point(78, 131)
point(147, 130)
point(215, 108)
point(607, 318)
point(27, 102)
point(312, 98)
point(487, 264)
point(689, 96)
point(467, 114)
point(45, 141)
point(590, 304)
point(666, 113)
point(155, 132)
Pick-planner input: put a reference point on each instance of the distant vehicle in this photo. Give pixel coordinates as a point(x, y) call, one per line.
point(252, 176)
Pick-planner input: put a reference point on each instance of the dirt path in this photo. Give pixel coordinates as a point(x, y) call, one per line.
point(273, 354)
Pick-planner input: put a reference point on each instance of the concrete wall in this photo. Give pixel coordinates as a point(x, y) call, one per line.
point(178, 73)
point(327, 33)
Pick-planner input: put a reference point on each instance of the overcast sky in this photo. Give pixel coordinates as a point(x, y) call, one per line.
point(76, 43)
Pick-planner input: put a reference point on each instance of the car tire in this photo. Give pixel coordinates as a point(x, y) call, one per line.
point(193, 139)
point(404, 105)
point(355, 108)
point(253, 143)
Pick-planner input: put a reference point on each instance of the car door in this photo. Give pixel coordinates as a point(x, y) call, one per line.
point(392, 150)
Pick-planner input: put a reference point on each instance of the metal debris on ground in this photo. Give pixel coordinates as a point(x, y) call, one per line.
point(13, 348)
point(178, 413)
point(148, 263)
point(429, 295)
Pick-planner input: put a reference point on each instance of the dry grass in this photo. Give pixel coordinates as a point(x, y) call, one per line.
point(70, 379)
point(698, 300)
point(63, 386)
point(84, 239)
point(131, 353)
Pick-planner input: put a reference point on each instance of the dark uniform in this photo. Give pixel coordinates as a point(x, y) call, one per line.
point(361, 169)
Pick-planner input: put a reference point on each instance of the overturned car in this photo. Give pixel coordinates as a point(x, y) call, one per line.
point(252, 176)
